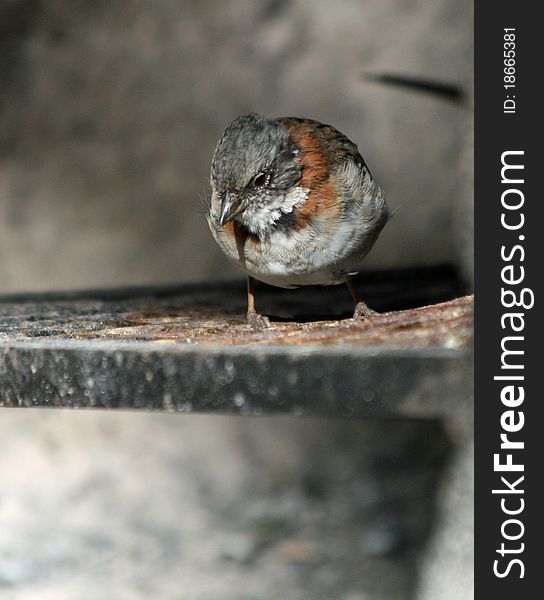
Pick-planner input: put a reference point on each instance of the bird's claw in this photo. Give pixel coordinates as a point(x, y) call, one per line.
point(257, 321)
point(362, 311)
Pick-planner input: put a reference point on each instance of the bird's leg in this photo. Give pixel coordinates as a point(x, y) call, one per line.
point(253, 317)
point(362, 311)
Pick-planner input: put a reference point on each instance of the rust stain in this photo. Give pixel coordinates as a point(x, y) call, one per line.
point(447, 324)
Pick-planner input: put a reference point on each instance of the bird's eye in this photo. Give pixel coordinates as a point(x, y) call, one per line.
point(261, 179)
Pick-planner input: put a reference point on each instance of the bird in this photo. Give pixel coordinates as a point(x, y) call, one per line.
point(293, 203)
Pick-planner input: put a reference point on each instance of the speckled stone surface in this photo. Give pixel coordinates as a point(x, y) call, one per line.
point(189, 349)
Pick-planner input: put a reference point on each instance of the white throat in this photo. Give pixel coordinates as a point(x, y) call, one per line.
point(260, 218)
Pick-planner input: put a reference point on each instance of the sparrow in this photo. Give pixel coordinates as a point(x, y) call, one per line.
point(293, 203)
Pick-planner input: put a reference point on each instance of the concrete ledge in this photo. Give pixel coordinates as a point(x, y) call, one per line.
point(189, 350)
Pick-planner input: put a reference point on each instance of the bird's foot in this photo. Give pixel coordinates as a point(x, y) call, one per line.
point(362, 311)
point(257, 321)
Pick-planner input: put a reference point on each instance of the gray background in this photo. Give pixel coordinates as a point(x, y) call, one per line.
point(109, 113)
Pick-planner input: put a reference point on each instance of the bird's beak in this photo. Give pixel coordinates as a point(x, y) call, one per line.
point(230, 207)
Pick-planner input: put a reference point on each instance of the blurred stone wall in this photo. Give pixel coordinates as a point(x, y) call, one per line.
point(110, 111)
point(109, 114)
point(132, 506)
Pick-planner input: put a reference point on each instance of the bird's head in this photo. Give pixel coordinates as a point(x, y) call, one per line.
point(255, 168)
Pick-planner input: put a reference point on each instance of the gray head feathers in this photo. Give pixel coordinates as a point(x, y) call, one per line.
point(254, 150)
